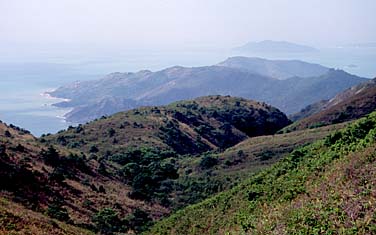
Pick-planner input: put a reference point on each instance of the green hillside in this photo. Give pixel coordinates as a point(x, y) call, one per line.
point(186, 127)
point(226, 169)
point(323, 188)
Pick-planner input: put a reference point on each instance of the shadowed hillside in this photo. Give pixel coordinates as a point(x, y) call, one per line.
point(187, 127)
point(351, 104)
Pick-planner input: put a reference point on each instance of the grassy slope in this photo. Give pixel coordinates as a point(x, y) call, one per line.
point(263, 150)
point(187, 127)
point(82, 201)
point(15, 219)
point(27, 184)
point(194, 183)
point(31, 176)
point(116, 192)
point(298, 195)
point(240, 162)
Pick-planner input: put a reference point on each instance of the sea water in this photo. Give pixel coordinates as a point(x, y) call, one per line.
point(23, 84)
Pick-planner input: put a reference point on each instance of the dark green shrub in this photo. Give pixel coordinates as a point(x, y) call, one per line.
point(208, 162)
point(51, 156)
point(7, 134)
point(111, 132)
point(93, 149)
point(138, 221)
point(107, 221)
point(2, 150)
point(55, 210)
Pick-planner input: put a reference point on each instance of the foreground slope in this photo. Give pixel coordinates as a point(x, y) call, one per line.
point(25, 189)
point(326, 187)
point(351, 104)
point(46, 190)
point(213, 172)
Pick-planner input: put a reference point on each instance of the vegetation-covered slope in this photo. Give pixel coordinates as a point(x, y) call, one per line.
point(17, 219)
point(351, 104)
point(50, 189)
point(327, 187)
point(186, 127)
point(213, 172)
point(121, 173)
point(122, 167)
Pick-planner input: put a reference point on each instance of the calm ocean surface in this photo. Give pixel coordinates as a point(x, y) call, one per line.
point(22, 83)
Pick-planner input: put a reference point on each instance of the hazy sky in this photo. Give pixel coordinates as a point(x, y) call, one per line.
point(177, 23)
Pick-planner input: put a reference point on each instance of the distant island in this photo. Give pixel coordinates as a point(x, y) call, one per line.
point(270, 46)
point(362, 45)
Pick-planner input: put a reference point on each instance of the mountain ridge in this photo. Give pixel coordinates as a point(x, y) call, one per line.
point(122, 91)
point(350, 104)
point(279, 69)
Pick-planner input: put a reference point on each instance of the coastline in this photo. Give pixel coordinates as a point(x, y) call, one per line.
point(47, 95)
point(63, 111)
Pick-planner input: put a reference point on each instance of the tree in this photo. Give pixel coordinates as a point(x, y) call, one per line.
point(51, 156)
point(57, 211)
point(7, 134)
point(93, 149)
point(111, 132)
point(107, 221)
point(138, 221)
point(208, 162)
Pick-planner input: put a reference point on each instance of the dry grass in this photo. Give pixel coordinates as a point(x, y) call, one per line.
point(18, 220)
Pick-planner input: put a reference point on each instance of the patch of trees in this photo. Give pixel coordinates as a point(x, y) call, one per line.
point(191, 190)
point(149, 172)
point(108, 221)
point(57, 211)
point(179, 141)
point(28, 186)
point(208, 162)
point(19, 129)
point(251, 121)
point(64, 166)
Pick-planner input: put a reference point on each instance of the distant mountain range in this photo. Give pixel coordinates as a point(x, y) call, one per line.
point(269, 46)
point(287, 85)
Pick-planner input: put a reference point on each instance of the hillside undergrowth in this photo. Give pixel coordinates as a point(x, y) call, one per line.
point(324, 188)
